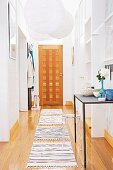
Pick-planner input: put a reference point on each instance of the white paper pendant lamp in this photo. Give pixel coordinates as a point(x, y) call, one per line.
point(48, 17)
point(65, 27)
point(43, 15)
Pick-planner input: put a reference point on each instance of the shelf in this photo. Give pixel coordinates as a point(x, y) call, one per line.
point(110, 59)
point(88, 41)
point(107, 18)
point(96, 32)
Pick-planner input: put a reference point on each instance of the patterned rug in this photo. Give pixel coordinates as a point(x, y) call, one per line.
point(51, 155)
point(51, 112)
point(51, 133)
point(51, 120)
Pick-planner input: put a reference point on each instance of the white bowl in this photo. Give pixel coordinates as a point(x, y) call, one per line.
point(87, 92)
point(95, 93)
point(96, 90)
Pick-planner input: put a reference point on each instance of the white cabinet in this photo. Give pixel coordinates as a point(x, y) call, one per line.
point(97, 44)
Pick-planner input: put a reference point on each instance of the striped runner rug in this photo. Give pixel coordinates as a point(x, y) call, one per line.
point(51, 155)
point(51, 133)
point(51, 120)
point(51, 112)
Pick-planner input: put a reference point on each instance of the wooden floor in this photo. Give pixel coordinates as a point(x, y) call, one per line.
point(14, 155)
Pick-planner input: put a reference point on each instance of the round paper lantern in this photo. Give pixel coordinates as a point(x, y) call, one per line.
point(64, 28)
point(44, 16)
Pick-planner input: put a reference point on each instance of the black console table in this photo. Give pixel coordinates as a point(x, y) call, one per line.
point(85, 100)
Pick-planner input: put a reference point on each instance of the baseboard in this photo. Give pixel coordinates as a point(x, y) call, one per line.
point(14, 129)
point(69, 103)
point(108, 137)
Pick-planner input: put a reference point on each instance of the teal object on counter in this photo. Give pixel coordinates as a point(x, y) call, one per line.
point(109, 94)
point(102, 90)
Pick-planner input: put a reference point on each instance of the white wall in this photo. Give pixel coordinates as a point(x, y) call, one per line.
point(67, 69)
point(4, 112)
point(9, 86)
point(13, 92)
point(13, 77)
point(36, 62)
point(23, 38)
point(22, 55)
point(21, 19)
point(13, 87)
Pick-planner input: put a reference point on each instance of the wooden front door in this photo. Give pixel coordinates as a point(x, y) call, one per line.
point(51, 75)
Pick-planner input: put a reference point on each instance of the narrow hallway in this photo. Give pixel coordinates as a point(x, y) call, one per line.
point(57, 55)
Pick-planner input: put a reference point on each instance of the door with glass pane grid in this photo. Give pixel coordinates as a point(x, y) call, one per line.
point(51, 75)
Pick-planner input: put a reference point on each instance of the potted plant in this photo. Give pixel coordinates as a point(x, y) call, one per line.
point(102, 74)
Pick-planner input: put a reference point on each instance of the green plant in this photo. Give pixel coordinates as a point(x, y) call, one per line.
point(102, 73)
